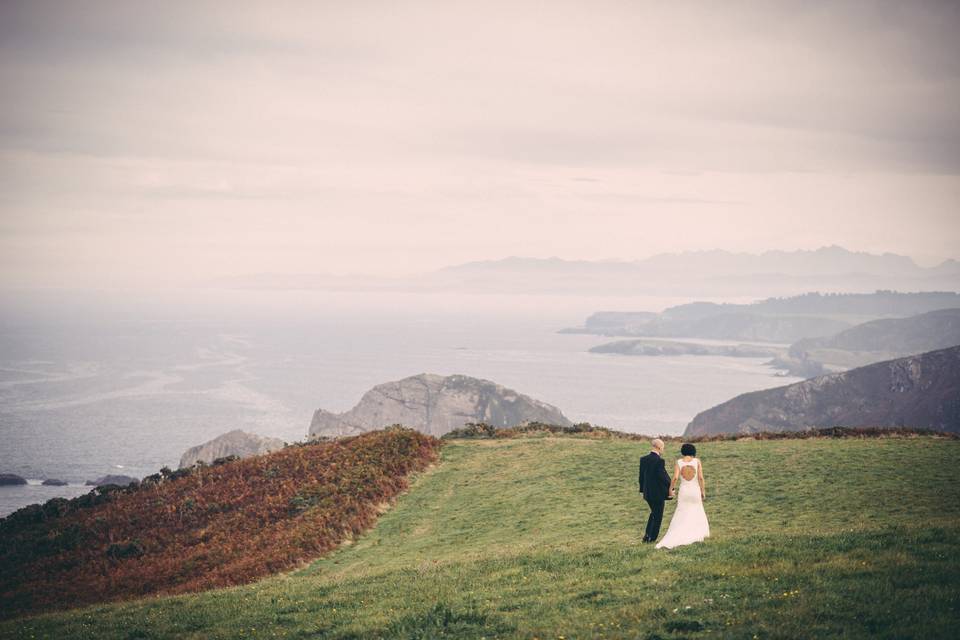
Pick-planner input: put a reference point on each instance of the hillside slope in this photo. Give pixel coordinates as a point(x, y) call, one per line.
point(204, 527)
point(921, 391)
point(878, 340)
point(916, 334)
point(539, 538)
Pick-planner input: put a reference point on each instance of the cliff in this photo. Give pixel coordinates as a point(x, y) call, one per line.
point(234, 443)
point(920, 391)
point(435, 404)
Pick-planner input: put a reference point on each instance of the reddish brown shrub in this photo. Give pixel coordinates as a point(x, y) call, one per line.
point(217, 526)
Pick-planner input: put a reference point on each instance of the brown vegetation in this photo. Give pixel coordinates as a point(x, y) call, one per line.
point(213, 526)
point(587, 430)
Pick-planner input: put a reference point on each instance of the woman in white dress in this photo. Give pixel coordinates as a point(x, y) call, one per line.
point(689, 523)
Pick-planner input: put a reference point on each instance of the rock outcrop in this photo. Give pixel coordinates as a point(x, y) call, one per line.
point(233, 443)
point(435, 404)
point(11, 479)
point(118, 480)
point(53, 482)
point(921, 391)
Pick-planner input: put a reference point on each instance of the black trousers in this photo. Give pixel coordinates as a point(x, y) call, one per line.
point(655, 519)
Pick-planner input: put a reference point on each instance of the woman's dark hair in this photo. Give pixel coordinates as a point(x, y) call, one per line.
point(688, 450)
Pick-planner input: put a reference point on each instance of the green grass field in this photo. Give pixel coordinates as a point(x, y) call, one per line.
point(539, 538)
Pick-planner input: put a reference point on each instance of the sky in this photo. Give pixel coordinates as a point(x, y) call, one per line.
point(166, 144)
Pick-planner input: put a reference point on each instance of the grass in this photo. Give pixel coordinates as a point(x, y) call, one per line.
point(539, 538)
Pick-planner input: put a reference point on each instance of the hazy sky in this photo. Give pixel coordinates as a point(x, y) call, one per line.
point(166, 142)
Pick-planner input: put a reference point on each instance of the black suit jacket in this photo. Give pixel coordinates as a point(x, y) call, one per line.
point(654, 481)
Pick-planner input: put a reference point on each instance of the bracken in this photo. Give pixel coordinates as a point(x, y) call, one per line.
point(218, 525)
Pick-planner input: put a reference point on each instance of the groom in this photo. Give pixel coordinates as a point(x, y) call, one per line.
point(655, 487)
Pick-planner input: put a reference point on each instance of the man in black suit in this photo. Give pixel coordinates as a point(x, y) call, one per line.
point(655, 487)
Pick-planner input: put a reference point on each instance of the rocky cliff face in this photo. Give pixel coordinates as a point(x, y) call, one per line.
point(921, 391)
point(435, 404)
point(234, 443)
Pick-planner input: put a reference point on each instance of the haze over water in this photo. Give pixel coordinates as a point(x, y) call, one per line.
point(124, 383)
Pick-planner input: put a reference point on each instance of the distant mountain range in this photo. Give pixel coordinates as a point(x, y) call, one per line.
point(919, 391)
point(693, 273)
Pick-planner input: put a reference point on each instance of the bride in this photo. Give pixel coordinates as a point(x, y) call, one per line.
point(689, 523)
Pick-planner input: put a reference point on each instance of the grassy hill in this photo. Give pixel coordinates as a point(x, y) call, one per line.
point(539, 538)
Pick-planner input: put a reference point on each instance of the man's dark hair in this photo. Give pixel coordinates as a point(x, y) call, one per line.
point(688, 450)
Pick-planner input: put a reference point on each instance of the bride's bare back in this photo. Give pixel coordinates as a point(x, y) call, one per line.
point(689, 522)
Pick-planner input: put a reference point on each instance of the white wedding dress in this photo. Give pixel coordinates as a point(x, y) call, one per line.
point(689, 523)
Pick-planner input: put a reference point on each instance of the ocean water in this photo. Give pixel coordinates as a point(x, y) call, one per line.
point(124, 383)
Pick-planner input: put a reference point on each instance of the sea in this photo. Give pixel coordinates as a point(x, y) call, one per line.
point(120, 382)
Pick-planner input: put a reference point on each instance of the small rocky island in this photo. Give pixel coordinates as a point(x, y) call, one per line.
point(119, 480)
point(435, 404)
point(11, 479)
point(675, 348)
point(233, 443)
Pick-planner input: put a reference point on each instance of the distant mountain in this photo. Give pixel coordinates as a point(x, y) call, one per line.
point(692, 273)
point(713, 272)
point(832, 260)
point(920, 391)
point(434, 405)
